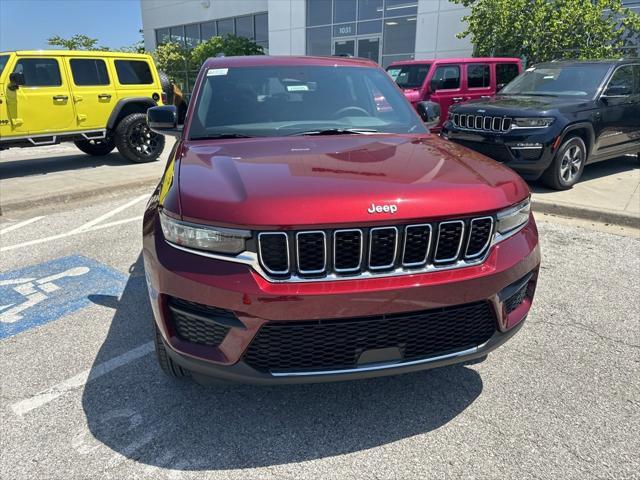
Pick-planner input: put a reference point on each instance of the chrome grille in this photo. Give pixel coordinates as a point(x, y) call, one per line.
point(481, 123)
point(318, 254)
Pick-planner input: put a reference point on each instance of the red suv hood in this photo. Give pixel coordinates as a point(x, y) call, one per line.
point(334, 180)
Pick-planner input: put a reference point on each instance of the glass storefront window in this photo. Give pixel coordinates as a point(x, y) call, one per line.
point(177, 34)
point(367, 28)
point(319, 41)
point(344, 30)
point(162, 36)
point(225, 27)
point(318, 12)
point(262, 27)
point(192, 35)
point(369, 9)
point(399, 35)
point(208, 30)
point(396, 8)
point(244, 27)
point(344, 11)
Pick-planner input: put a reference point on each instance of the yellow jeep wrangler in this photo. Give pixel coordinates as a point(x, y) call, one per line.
point(98, 100)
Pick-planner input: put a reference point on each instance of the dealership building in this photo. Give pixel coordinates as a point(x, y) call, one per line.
point(383, 30)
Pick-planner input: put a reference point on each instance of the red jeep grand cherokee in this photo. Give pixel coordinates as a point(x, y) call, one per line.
point(302, 232)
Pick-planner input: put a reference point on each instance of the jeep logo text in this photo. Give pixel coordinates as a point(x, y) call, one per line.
point(382, 208)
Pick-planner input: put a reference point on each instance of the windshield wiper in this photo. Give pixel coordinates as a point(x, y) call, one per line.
point(215, 136)
point(336, 131)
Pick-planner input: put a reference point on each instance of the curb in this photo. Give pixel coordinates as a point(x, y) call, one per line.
point(106, 191)
point(574, 211)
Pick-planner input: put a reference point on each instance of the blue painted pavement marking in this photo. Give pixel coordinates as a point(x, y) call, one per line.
point(40, 294)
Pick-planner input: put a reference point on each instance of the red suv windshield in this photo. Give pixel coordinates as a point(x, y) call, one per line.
point(290, 100)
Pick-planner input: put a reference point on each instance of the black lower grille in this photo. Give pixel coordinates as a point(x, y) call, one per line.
point(515, 300)
point(338, 344)
point(196, 323)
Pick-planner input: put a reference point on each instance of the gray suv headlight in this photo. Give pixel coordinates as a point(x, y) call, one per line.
point(511, 220)
point(533, 122)
point(203, 237)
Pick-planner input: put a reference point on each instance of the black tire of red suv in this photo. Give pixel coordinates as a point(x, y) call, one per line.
point(568, 164)
point(96, 147)
point(168, 366)
point(135, 140)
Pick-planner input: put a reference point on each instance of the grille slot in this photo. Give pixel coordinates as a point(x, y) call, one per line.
point(337, 344)
point(312, 252)
point(196, 323)
point(449, 241)
point(479, 236)
point(274, 252)
point(478, 122)
point(347, 250)
point(417, 240)
point(383, 245)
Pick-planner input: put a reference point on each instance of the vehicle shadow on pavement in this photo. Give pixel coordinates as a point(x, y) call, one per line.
point(142, 415)
point(58, 163)
point(598, 170)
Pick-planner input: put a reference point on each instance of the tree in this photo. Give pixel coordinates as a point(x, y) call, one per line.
point(543, 30)
point(171, 57)
point(76, 42)
point(229, 45)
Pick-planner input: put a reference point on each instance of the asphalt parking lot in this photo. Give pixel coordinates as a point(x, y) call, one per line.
point(82, 396)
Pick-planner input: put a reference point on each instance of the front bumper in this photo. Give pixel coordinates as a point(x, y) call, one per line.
point(255, 302)
point(517, 149)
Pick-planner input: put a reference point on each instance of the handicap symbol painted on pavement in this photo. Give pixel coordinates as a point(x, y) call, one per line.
point(40, 294)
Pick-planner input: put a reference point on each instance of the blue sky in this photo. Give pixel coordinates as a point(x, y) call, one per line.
point(26, 24)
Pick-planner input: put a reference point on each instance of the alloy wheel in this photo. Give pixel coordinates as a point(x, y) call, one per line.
point(571, 163)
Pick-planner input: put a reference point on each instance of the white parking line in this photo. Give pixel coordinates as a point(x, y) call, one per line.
point(69, 234)
point(18, 225)
point(39, 399)
point(115, 211)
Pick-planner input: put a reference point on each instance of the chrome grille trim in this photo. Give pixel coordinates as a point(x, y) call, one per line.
point(395, 248)
point(404, 247)
point(482, 123)
point(455, 257)
point(275, 272)
point(486, 245)
point(324, 243)
point(348, 270)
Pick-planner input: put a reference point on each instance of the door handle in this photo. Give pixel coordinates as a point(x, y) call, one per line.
point(457, 99)
point(60, 98)
point(485, 97)
point(104, 96)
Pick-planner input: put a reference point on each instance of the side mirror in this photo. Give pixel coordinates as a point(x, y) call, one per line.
point(500, 86)
point(15, 80)
point(435, 85)
point(429, 112)
point(164, 120)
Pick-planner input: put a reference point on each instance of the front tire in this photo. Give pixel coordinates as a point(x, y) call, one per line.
point(97, 148)
point(135, 140)
point(567, 166)
point(168, 366)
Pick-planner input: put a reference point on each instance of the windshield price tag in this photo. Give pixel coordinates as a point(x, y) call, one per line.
point(213, 72)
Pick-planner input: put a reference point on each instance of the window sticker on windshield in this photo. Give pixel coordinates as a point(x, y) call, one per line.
point(212, 72)
point(297, 88)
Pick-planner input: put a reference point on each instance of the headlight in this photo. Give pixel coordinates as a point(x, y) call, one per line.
point(533, 122)
point(512, 219)
point(203, 237)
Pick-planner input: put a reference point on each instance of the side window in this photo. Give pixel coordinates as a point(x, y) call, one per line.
point(636, 70)
point(478, 76)
point(86, 71)
point(133, 72)
point(446, 77)
point(622, 82)
point(39, 72)
point(505, 72)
